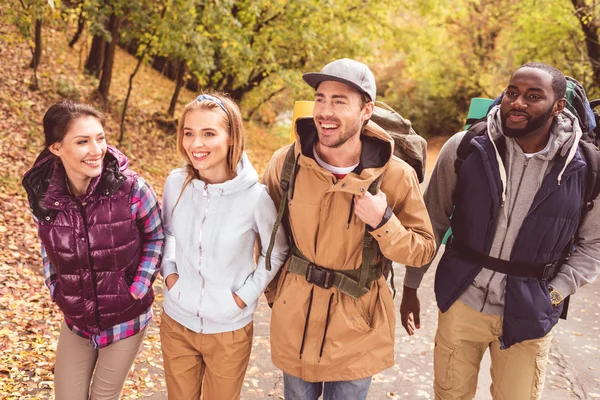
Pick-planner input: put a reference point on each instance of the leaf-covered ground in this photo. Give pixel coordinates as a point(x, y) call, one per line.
point(29, 321)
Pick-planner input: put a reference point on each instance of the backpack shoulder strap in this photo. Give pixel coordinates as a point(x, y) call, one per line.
point(465, 147)
point(286, 181)
point(592, 187)
point(370, 245)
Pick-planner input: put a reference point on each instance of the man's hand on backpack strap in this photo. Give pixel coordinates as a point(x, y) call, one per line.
point(370, 209)
point(410, 310)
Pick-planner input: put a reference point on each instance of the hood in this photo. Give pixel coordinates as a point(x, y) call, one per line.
point(245, 178)
point(565, 132)
point(120, 159)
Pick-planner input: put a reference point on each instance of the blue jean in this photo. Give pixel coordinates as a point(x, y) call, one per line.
point(298, 389)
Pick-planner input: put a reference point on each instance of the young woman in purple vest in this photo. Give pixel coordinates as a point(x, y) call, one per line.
point(102, 238)
point(214, 211)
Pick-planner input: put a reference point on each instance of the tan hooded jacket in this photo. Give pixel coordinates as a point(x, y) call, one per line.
point(322, 334)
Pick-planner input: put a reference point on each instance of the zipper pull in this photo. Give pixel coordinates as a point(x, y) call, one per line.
point(205, 190)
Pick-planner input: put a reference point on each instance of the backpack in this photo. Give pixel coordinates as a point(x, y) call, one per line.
point(589, 120)
point(410, 147)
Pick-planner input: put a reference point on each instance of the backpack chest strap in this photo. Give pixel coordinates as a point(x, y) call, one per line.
point(346, 281)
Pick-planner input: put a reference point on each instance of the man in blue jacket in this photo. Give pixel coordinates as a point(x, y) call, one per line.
point(515, 196)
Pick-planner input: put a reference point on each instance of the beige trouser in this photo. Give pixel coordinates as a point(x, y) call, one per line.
point(76, 361)
point(211, 365)
point(462, 337)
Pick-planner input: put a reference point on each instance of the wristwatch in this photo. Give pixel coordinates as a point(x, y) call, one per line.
point(555, 296)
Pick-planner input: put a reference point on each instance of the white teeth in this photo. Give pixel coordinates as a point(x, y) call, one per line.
point(199, 155)
point(329, 126)
point(92, 163)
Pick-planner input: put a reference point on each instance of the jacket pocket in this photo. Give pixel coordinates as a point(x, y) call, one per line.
point(356, 318)
point(126, 300)
point(70, 306)
point(443, 364)
point(283, 284)
point(182, 298)
point(218, 305)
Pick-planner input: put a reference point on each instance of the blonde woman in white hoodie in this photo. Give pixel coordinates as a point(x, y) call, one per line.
point(213, 209)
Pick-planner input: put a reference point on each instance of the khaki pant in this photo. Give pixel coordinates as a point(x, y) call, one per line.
point(211, 365)
point(463, 336)
point(77, 362)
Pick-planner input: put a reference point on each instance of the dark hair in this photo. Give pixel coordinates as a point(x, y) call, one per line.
point(60, 116)
point(364, 98)
point(559, 83)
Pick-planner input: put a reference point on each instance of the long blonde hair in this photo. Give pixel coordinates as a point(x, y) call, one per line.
point(233, 121)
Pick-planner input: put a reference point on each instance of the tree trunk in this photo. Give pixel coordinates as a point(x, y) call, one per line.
point(93, 65)
point(37, 53)
point(178, 85)
point(135, 71)
point(80, 26)
point(589, 25)
point(109, 57)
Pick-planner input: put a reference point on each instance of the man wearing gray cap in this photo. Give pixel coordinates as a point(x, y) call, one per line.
point(348, 206)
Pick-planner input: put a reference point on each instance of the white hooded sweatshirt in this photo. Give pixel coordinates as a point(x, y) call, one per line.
point(209, 242)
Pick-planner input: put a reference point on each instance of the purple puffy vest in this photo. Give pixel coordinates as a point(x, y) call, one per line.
point(93, 243)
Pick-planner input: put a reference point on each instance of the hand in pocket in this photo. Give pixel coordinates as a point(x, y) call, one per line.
point(240, 303)
point(171, 280)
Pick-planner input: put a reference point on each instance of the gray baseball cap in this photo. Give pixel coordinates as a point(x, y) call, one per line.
point(350, 72)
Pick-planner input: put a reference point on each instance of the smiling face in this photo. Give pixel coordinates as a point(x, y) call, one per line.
point(528, 105)
point(206, 141)
point(81, 152)
point(339, 113)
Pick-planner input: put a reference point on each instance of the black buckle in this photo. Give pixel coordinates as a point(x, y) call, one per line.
point(320, 276)
point(549, 271)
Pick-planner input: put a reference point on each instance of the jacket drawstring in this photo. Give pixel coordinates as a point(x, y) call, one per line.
point(326, 326)
point(392, 281)
point(351, 212)
point(310, 300)
point(573, 148)
point(293, 180)
point(495, 114)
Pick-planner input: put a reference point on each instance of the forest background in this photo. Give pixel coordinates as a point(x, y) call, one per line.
point(141, 61)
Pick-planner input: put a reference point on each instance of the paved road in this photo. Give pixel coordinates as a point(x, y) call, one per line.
point(574, 370)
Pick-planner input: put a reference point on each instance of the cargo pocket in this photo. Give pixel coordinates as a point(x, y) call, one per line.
point(443, 364)
point(541, 362)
